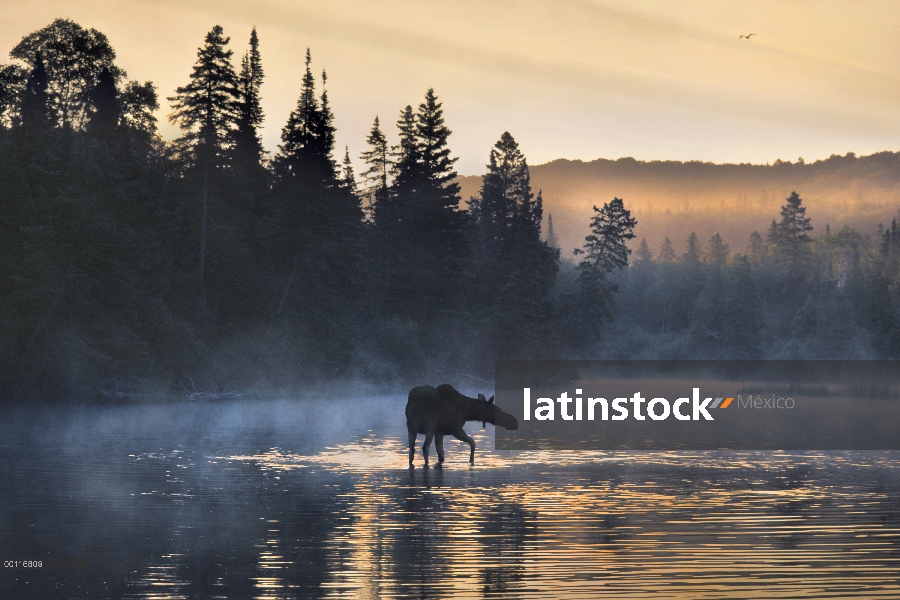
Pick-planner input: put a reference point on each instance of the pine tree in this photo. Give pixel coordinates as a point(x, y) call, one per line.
point(513, 269)
point(406, 152)
point(691, 254)
point(438, 177)
point(717, 251)
point(643, 254)
point(667, 252)
point(551, 235)
point(755, 247)
point(348, 179)
point(379, 165)
point(308, 136)
point(105, 112)
point(605, 251)
point(792, 245)
point(206, 109)
point(250, 113)
point(506, 208)
point(35, 111)
point(323, 135)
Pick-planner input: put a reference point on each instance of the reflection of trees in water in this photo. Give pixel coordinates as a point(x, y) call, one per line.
point(417, 553)
point(505, 529)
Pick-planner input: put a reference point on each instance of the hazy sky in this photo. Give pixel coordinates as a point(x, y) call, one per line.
point(574, 79)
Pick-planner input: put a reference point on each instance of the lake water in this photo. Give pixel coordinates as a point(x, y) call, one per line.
point(302, 499)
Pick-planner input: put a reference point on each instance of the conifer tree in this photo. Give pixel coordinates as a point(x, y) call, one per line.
point(308, 136)
point(348, 179)
point(104, 112)
point(551, 235)
point(206, 109)
point(667, 252)
point(717, 250)
point(793, 229)
point(755, 247)
point(438, 176)
point(506, 208)
point(643, 254)
point(691, 254)
point(250, 113)
point(406, 168)
point(35, 112)
point(605, 251)
point(379, 165)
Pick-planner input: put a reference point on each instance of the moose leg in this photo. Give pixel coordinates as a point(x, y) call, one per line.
point(461, 436)
point(439, 446)
point(412, 444)
point(425, 446)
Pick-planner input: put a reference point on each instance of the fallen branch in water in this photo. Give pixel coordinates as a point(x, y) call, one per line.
point(193, 394)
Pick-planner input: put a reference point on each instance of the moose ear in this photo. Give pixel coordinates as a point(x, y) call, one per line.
point(491, 401)
point(482, 398)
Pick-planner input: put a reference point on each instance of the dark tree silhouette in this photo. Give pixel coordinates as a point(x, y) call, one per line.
point(377, 159)
point(250, 113)
point(207, 109)
point(36, 112)
point(605, 251)
point(104, 112)
point(73, 58)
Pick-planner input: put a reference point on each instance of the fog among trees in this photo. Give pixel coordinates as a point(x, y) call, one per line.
point(133, 266)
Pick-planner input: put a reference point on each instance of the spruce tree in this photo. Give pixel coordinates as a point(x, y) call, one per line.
point(105, 111)
point(716, 251)
point(207, 110)
point(378, 160)
point(207, 107)
point(512, 269)
point(505, 208)
point(667, 252)
point(35, 112)
point(605, 251)
point(250, 113)
point(551, 235)
point(347, 180)
point(438, 177)
point(691, 256)
point(308, 137)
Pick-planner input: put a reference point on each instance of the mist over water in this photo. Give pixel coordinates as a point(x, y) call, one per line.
point(309, 499)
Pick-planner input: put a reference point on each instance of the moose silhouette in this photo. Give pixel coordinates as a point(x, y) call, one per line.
point(440, 411)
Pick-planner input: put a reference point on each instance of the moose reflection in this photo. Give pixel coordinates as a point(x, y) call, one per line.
point(440, 411)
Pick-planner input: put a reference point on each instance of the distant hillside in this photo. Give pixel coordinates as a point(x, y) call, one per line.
point(672, 198)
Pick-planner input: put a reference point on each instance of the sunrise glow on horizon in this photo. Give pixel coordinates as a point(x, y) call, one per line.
point(571, 79)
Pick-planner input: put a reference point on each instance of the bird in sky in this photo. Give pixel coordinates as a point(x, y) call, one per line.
point(747, 36)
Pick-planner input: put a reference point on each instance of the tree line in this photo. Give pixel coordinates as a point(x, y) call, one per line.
point(130, 263)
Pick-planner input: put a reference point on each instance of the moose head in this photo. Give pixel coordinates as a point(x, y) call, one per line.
point(497, 416)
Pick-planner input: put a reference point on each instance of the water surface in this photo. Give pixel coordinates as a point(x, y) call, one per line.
point(302, 499)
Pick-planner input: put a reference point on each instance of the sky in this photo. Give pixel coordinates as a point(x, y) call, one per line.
point(576, 79)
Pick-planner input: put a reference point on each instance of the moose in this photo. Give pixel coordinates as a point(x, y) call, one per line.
point(441, 411)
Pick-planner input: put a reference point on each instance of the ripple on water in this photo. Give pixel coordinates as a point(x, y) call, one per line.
point(577, 524)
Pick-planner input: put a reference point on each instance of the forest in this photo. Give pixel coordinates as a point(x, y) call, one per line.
point(134, 267)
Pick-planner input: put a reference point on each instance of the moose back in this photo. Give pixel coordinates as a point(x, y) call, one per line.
point(440, 411)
